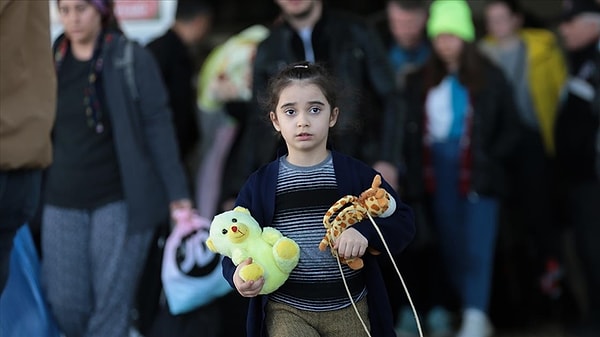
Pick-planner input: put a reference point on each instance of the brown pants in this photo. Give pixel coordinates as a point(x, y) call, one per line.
point(283, 320)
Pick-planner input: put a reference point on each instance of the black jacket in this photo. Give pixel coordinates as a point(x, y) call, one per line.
point(495, 133)
point(577, 128)
point(368, 100)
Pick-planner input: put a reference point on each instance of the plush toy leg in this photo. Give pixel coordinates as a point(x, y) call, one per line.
point(252, 272)
point(286, 253)
point(355, 263)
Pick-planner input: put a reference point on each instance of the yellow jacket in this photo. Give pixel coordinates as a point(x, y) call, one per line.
point(547, 75)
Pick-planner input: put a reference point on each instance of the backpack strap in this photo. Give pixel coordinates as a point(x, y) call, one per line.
point(127, 63)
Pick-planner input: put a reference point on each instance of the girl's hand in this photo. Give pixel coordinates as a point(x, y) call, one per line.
point(351, 244)
point(247, 288)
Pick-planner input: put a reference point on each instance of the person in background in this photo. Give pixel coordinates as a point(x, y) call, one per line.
point(533, 62)
point(223, 89)
point(577, 138)
point(461, 128)
point(27, 111)
point(408, 46)
point(302, 184)
point(116, 173)
point(345, 44)
point(174, 54)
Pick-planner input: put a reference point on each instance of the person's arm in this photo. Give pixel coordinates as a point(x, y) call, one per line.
point(158, 128)
point(398, 229)
point(558, 65)
point(380, 75)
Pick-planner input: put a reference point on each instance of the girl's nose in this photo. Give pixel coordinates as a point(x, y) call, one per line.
point(302, 121)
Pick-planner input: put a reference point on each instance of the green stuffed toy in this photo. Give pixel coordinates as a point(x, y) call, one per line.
point(237, 235)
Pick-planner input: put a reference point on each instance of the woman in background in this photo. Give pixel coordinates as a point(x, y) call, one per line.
point(533, 63)
point(115, 174)
point(460, 129)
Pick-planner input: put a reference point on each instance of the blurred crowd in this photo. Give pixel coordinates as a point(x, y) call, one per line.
point(103, 140)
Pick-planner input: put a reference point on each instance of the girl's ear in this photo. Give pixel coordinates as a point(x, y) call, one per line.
point(334, 116)
point(274, 121)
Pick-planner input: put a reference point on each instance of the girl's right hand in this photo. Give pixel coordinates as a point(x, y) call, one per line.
point(247, 288)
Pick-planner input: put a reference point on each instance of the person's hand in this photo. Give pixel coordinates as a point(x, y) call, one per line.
point(351, 243)
point(247, 288)
point(389, 172)
point(181, 209)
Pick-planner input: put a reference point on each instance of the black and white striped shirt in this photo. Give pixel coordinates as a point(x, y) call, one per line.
point(304, 194)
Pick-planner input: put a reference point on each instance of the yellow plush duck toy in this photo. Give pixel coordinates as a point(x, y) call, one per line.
point(237, 235)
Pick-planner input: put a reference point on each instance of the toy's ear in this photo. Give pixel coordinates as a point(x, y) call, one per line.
point(241, 209)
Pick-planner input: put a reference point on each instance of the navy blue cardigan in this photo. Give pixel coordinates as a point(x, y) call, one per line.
point(353, 177)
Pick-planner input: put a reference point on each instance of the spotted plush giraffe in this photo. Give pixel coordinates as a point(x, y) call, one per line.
point(350, 209)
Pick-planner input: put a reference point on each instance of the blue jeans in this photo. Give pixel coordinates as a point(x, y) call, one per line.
point(19, 198)
point(467, 228)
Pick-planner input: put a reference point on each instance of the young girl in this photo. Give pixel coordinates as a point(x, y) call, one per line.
point(461, 127)
point(114, 175)
point(292, 194)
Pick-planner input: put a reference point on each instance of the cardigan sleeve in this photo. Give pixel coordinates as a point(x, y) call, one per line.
point(157, 123)
point(244, 199)
point(398, 230)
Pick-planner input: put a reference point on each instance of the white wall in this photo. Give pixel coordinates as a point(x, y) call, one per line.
point(141, 20)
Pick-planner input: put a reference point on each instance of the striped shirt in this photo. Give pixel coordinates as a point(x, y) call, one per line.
point(304, 194)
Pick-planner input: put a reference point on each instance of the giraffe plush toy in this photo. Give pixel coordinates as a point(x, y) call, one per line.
point(350, 209)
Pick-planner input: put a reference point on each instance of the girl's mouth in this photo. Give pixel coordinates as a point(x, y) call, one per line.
point(303, 136)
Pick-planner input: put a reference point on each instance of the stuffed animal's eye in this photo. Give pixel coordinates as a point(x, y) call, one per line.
point(224, 231)
point(234, 220)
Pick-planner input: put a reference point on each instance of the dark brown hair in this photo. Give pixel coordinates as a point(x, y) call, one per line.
point(307, 72)
point(470, 69)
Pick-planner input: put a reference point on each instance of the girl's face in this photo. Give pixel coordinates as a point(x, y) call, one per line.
point(81, 21)
point(500, 21)
point(303, 116)
point(449, 48)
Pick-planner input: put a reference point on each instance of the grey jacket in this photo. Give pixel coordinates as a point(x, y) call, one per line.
point(151, 170)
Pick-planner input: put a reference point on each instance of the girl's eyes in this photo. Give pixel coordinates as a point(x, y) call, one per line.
point(314, 110)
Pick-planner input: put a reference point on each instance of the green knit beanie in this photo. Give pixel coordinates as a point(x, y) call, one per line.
point(451, 17)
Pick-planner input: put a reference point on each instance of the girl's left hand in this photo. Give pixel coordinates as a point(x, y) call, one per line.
point(351, 243)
